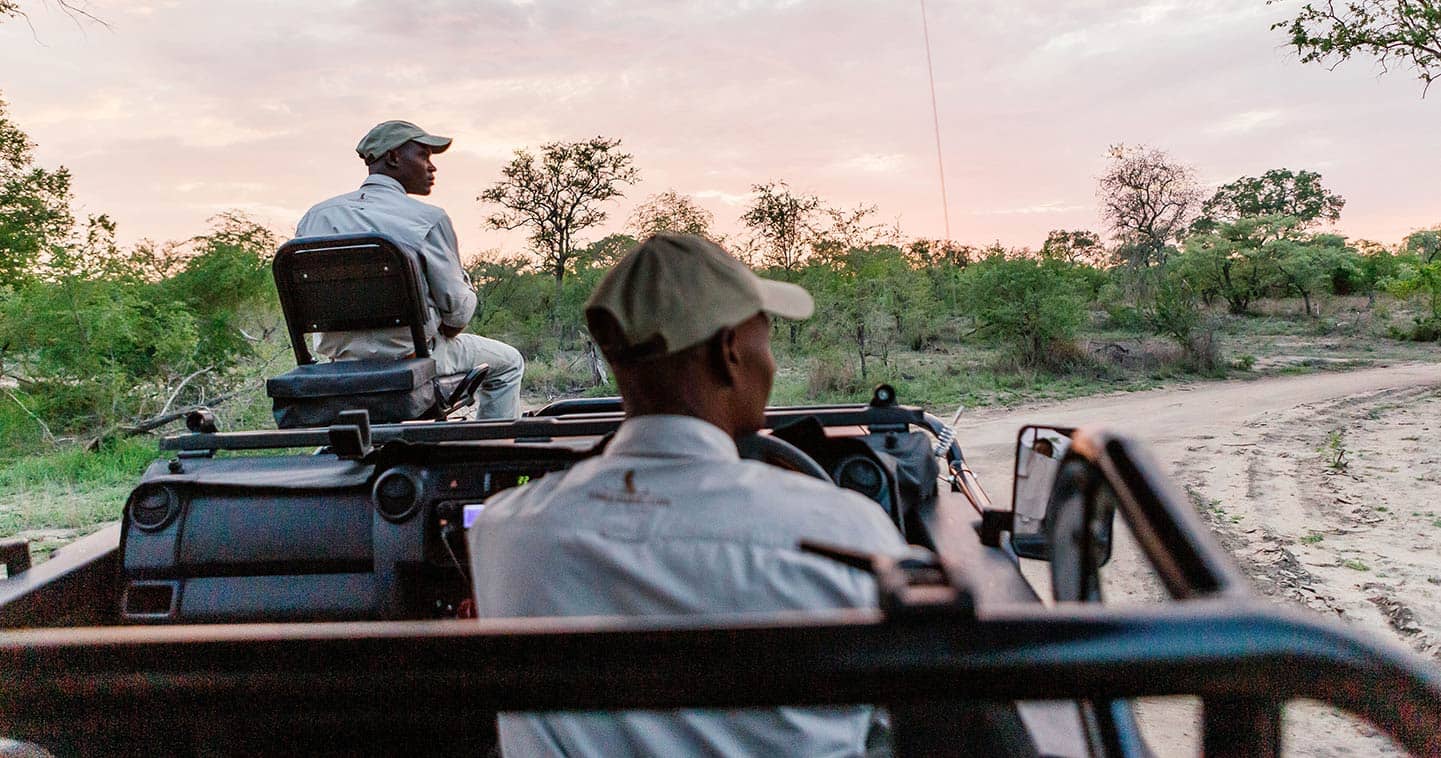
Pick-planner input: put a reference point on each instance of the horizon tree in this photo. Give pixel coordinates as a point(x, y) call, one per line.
point(1147, 199)
point(559, 193)
point(783, 224)
point(1278, 192)
point(670, 211)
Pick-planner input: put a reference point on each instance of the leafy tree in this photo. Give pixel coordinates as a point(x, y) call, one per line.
point(1421, 279)
point(1424, 244)
point(225, 273)
point(942, 262)
point(670, 212)
point(559, 195)
point(1417, 271)
point(35, 216)
point(940, 254)
point(783, 224)
point(1237, 261)
point(1278, 192)
point(498, 281)
point(1404, 33)
point(1033, 305)
point(1078, 246)
point(1307, 266)
point(1147, 199)
point(1176, 312)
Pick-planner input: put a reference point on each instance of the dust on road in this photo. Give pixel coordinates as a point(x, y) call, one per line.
point(1325, 487)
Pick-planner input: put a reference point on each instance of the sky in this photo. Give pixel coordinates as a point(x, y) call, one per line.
point(179, 110)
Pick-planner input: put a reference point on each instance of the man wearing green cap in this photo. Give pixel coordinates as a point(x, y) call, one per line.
point(669, 519)
point(398, 156)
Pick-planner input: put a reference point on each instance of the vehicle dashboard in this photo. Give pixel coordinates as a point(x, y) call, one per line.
point(311, 537)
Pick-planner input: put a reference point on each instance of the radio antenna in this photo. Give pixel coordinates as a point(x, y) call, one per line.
point(936, 122)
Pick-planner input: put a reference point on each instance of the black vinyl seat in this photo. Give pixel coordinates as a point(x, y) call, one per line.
point(356, 282)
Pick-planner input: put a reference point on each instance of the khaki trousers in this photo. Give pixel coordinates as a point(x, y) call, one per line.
point(499, 395)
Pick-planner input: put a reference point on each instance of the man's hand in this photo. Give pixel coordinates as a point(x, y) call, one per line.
point(451, 332)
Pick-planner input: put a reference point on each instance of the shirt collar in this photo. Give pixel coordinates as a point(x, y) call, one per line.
point(660, 436)
point(381, 180)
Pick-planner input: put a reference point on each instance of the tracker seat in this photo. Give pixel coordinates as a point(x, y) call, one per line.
point(354, 282)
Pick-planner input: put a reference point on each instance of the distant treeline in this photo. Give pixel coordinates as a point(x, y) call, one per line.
point(100, 340)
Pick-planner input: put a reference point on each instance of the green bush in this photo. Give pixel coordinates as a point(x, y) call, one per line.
point(1025, 304)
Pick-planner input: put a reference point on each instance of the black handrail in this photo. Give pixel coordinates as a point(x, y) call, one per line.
point(1217, 649)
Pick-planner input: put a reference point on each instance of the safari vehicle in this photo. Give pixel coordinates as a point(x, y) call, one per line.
point(306, 591)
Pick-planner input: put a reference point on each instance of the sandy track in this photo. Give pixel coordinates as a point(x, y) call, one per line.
point(1325, 487)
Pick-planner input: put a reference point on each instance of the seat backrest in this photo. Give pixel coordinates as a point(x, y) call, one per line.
point(345, 283)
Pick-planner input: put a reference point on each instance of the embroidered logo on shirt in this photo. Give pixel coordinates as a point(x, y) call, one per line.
point(632, 494)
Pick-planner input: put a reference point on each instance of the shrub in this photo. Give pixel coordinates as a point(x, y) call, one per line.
point(1025, 304)
point(830, 374)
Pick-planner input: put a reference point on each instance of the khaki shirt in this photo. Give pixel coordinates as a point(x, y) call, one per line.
point(381, 205)
point(669, 520)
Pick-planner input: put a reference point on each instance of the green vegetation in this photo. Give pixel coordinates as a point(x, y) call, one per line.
point(1334, 450)
point(1397, 33)
point(1355, 565)
point(100, 345)
point(1312, 538)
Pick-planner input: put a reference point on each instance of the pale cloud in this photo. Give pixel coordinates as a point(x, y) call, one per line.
point(1248, 121)
point(728, 198)
point(1056, 206)
point(874, 163)
point(221, 187)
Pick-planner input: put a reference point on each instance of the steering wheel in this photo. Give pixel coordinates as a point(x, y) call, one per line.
point(777, 452)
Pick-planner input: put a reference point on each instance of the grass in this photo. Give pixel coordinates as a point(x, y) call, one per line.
point(1355, 565)
point(1312, 538)
point(69, 491)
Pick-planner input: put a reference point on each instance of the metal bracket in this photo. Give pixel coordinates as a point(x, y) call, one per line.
point(993, 522)
point(917, 585)
point(350, 439)
point(15, 555)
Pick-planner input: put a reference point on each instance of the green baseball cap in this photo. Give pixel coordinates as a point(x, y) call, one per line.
point(674, 291)
point(388, 135)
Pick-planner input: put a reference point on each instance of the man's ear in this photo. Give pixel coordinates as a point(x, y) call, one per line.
point(392, 158)
point(725, 360)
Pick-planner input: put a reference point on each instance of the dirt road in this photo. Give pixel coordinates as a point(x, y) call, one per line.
point(1325, 487)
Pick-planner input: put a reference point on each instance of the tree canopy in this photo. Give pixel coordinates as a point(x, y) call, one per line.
point(560, 193)
point(670, 211)
point(782, 222)
point(1278, 192)
point(1147, 198)
point(35, 215)
point(1402, 33)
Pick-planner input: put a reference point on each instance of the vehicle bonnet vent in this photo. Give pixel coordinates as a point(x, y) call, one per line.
point(152, 507)
point(396, 495)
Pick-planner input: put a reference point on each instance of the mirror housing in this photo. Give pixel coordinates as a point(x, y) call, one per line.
point(1039, 453)
point(1078, 530)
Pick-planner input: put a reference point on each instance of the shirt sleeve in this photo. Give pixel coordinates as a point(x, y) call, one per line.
point(450, 287)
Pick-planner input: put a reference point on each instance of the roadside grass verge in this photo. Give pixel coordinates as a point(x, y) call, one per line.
point(57, 495)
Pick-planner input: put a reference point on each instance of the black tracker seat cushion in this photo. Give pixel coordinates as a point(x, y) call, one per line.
point(391, 391)
point(347, 283)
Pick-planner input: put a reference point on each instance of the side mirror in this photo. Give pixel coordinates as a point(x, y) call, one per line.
point(1039, 452)
point(1078, 526)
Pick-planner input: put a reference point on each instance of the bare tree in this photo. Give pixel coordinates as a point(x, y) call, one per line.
point(782, 222)
point(1147, 199)
point(670, 212)
point(559, 195)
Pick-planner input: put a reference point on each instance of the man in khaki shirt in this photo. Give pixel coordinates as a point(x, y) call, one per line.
point(669, 520)
point(398, 156)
